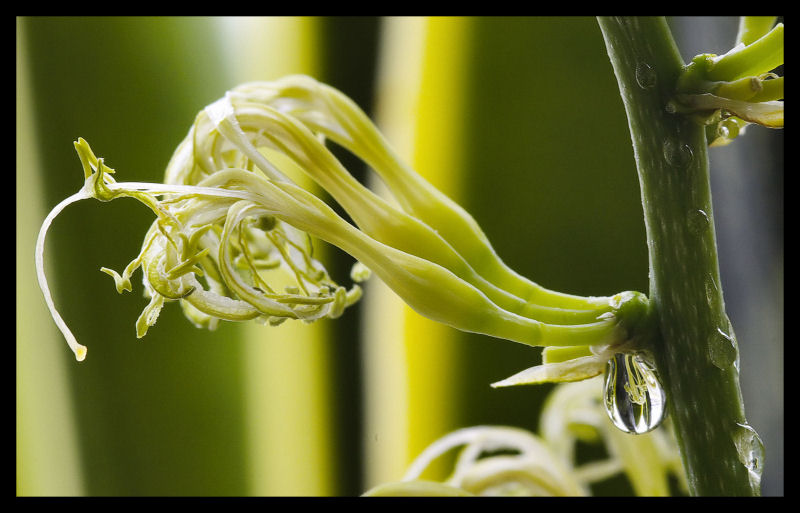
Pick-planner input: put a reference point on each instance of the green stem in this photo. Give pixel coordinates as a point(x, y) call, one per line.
point(698, 365)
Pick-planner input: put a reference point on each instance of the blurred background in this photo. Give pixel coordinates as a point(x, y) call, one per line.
point(518, 119)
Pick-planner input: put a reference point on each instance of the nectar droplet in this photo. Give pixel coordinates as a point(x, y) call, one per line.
point(633, 396)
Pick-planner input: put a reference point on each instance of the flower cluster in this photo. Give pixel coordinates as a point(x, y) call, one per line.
point(232, 238)
point(500, 460)
point(728, 92)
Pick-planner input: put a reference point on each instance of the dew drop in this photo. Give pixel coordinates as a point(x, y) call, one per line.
point(645, 75)
point(698, 222)
point(677, 155)
point(722, 349)
point(750, 450)
point(633, 396)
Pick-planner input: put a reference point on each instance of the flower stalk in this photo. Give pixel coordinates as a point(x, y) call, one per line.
point(699, 370)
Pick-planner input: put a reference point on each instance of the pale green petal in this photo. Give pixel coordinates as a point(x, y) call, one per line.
point(577, 369)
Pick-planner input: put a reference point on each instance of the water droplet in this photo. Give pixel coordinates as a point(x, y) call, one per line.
point(750, 450)
point(698, 221)
point(645, 75)
point(728, 129)
point(722, 349)
point(732, 335)
point(677, 155)
point(634, 398)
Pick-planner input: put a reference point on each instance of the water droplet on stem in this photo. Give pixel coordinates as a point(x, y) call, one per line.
point(698, 221)
point(634, 397)
point(722, 349)
point(750, 450)
point(645, 75)
point(677, 155)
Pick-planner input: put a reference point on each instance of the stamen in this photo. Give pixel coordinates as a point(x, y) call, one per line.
point(78, 349)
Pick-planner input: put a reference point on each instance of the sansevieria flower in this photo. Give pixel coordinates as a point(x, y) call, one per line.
point(232, 238)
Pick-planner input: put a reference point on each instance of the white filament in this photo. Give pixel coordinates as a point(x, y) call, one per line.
point(78, 349)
